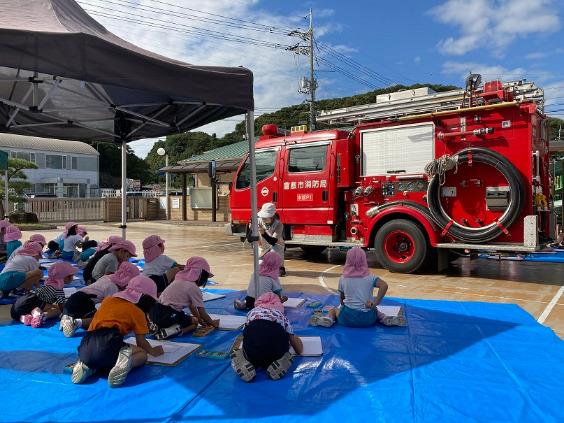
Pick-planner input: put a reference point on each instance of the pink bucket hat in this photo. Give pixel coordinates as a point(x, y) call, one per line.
point(193, 269)
point(4, 223)
point(69, 226)
point(38, 238)
point(123, 244)
point(356, 265)
point(12, 233)
point(104, 245)
point(270, 265)
point(57, 274)
point(31, 249)
point(270, 300)
point(126, 271)
point(136, 287)
point(81, 230)
point(151, 249)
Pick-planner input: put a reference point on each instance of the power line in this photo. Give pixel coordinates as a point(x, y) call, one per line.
point(347, 73)
point(128, 5)
point(201, 32)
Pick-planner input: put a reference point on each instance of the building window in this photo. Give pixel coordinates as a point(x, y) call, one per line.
point(23, 155)
point(54, 162)
point(42, 189)
point(74, 162)
point(307, 159)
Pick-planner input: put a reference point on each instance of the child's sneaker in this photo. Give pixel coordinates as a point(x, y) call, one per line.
point(81, 372)
point(242, 366)
point(280, 367)
point(69, 326)
point(318, 319)
point(168, 332)
point(26, 319)
point(122, 367)
point(240, 305)
point(393, 320)
point(37, 317)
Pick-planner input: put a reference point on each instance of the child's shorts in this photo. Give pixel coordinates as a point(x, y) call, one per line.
point(265, 341)
point(24, 305)
point(357, 318)
point(99, 349)
point(161, 281)
point(164, 316)
point(79, 305)
point(67, 255)
point(11, 280)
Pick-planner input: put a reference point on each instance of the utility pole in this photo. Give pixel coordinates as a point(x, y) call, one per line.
point(307, 86)
point(312, 82)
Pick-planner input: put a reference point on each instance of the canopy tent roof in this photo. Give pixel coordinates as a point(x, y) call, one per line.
point(222, 166)
point(63, 75)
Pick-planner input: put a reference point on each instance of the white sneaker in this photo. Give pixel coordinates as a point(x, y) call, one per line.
point(81, 372)
point(122, 367)
point(69, 326)
point(168, 332)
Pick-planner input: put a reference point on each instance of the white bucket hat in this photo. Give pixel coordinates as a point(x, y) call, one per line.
point(267, 211)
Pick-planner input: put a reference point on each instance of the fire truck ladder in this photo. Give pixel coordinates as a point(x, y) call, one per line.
point(414, 102)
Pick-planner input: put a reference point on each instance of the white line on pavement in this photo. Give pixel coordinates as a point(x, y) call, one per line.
point(322, 279)
point(551, 305)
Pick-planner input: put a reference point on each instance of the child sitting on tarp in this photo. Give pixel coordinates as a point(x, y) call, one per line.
point(12, 238)
point(71, 241)
point(88, 250)
point(121, 251)
point(101, 250)
point(46, 302)
point(80, 307)
point(358, 308)
point(40, 239)
point(167, 316)
point(4, 223)
point(22, 271)
point(268, 281)
point(267, 338)
point(103, 346)
point(158, 266)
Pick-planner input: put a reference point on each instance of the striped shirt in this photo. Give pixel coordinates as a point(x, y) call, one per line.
point(261, 313)
point(50, 295)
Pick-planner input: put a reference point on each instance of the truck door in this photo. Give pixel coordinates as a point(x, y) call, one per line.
point(267, 184)
point(305, 193)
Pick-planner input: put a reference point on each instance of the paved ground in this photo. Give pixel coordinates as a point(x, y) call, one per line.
point(534, 286)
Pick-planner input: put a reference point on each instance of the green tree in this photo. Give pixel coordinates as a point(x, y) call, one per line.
point(17, 181)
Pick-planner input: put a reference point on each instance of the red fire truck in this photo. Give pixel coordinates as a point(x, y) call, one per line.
point(421, 173)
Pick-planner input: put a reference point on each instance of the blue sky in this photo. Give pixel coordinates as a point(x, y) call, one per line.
point(404, 41)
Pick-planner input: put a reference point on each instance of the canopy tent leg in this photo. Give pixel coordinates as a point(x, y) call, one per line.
point(250, 125)
point(123, 189)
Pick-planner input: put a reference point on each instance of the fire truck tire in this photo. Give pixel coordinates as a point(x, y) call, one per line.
point(312, 250)
point(401, 246)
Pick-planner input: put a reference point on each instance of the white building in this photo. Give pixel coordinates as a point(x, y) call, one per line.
point(65, 168)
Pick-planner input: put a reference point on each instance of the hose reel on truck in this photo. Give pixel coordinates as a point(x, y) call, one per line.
point(516, 194)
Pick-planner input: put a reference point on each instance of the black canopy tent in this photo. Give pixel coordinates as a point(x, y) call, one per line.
point(63, 75)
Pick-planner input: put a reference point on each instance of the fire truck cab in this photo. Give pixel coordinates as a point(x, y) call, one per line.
point(470, 173)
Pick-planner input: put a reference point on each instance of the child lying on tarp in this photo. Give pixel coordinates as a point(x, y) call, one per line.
point(103, 346)
point(267, 338)
point(268, 281)
point(167, 316)
point(80, 307)
point(46, 302)
point(358, 307)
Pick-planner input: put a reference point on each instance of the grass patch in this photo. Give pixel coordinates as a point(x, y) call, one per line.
point(35, 226)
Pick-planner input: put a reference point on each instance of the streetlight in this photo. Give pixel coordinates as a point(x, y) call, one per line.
point(162, 152)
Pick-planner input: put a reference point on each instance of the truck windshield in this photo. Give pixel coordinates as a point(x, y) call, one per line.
point(265, 161)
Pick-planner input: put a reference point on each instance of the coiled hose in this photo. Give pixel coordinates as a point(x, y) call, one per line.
point(494, 229)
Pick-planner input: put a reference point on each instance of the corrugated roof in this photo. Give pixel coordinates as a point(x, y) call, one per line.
point(231, 151)
point(25, 142)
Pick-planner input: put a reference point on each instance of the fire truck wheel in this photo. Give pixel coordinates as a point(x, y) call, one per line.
point(312, 250)
point(401, 246)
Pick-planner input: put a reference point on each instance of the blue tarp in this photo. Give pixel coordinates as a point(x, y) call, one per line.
point(455, 361)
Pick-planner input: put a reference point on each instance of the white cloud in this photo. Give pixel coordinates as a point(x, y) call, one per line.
point(276, 73)
point(493, 23)
point(488, 72)
point(554, 99)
